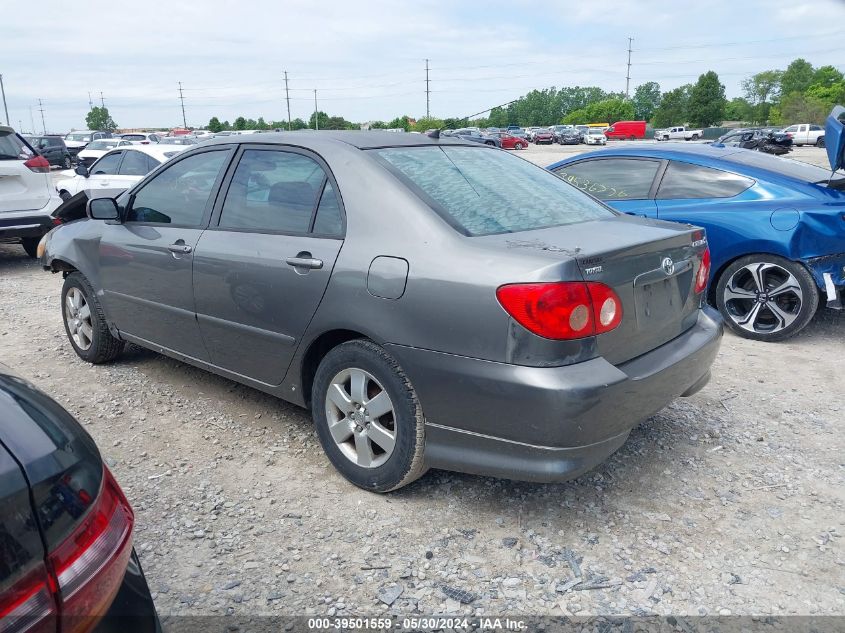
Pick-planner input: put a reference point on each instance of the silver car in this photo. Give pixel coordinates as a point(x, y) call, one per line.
point(435, 303)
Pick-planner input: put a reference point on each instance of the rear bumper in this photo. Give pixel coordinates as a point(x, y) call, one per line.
point(17, 224)
point(549, 423)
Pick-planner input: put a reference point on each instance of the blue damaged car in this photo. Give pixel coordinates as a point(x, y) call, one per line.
point(776, 227)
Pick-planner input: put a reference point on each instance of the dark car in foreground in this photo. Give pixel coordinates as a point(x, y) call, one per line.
point(570, 136)
point(435, 303)
point(66, 556)
point(52, 148)
point(776, 227)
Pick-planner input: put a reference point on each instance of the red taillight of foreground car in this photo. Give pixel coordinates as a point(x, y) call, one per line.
point(83, 573)
point(703, 272)
point(38, 164)
point(562, 310)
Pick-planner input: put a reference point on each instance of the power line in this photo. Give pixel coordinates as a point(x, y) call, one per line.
point(628, 76)
point(182, 99)
point(427, 92)
point(745, 42)
point(43, 125)
point(287, 98)
point(728, 59)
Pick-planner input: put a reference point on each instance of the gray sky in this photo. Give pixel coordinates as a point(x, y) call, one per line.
point(366, 58)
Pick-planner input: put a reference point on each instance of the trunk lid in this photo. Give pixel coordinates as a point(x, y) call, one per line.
point(650, 264)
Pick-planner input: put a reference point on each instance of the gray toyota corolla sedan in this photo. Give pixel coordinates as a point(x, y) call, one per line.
point(436, 303)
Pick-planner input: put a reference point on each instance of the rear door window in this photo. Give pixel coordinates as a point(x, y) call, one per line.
point(685, 181)
point(273, 191)
point(482, 192)
point(134, 164)
point(107, 165)
point(612, 178)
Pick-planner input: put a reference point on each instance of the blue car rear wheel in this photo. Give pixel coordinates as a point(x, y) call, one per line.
point(766, 297)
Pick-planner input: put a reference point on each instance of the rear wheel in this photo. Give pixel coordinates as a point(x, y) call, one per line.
point(820, 141)
point(30, 245)
point(766, 297)
point(368, 418)
point(85, 323)
point(66, 163)
point(518, 146)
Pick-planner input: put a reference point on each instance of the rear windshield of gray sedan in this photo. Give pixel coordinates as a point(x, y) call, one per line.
point(482, 192)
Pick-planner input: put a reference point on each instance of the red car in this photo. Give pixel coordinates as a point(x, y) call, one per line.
point(512, 142)
point(544, 136)
point(630, 130)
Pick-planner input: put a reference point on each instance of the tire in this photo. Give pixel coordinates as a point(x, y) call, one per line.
point(517, 146)
point(30, 245)
point(387, 470)
point(66, 163)
point(64, 195)
point(490, 143)
point(694, 137)
point(758, 315)
point(820, 141)
point(102, 346)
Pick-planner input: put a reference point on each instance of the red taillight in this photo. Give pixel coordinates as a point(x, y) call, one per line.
point(29, 605)
point(562, 310)
point(57, 221)
point(38, 164)
point(89, 565)
point(703, 272)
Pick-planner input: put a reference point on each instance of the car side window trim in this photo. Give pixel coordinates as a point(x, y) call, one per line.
point(328, 177)
point(666, 167)
point(215, 189)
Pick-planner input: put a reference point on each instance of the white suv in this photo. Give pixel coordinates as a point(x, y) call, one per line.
point(27, 196)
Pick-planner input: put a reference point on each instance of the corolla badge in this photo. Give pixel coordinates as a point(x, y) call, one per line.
point(667, 265)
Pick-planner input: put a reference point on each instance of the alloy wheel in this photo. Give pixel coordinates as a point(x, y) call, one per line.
point(78, 319)
point(360, 417)
point(763, 298)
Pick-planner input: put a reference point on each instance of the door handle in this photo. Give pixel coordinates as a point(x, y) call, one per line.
point(304, 262)
point(180, 248)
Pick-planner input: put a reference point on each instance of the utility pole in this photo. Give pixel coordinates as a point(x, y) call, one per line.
point(5, 107)
point(287, 98)
point(182, 99)
point(43, 125)
point(427, 92)
point(316, 113)
point(90, 101)
point(102, 100)
point(628, 75)
point(31, 121)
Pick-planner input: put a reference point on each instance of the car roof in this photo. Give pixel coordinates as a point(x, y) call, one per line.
point(326, 138)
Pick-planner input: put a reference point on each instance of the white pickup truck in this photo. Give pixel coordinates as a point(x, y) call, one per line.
point(806, 134)
point(678, 132)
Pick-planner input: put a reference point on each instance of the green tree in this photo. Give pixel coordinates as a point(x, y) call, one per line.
point(576, 117)
point(100, 119)
point(427, 123)
point(673, 107)
point(399, 122)
point(827, 76)
point(214, 124)
point(706, 105)
point(762, 90)
point(240, 124)
point(800, 108)
point(610, 111)
point(296, 124)
point(833, 94)
point(646, 99)
point(320, 118)
point(737, 109)
point(797, 77)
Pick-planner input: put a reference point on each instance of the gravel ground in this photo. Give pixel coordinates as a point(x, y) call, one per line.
point(730, 501)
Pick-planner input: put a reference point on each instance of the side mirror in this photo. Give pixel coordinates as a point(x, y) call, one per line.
point(82, 170)
point(103, 209)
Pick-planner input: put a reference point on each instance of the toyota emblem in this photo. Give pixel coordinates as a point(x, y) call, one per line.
point(667, 265)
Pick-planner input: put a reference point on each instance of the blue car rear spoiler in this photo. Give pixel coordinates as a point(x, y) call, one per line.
point(834, 138)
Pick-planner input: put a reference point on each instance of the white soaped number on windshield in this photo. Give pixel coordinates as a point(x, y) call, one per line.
point(593, 187)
